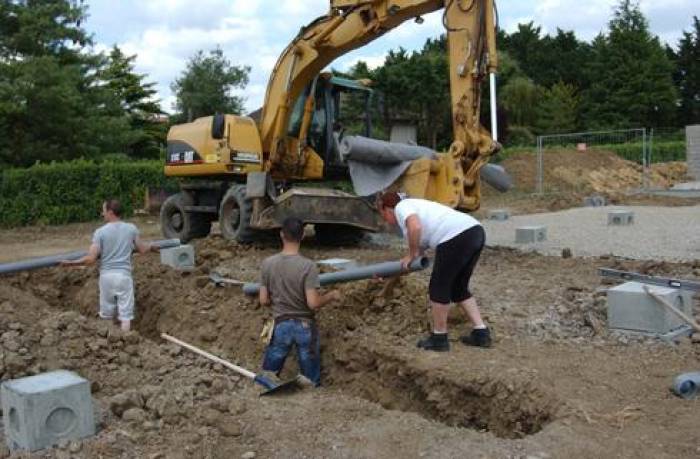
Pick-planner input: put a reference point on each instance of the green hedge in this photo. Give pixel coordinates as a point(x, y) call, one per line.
point(67, 192)
point(661, 152)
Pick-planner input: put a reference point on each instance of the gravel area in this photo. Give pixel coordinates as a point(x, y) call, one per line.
point(658, 233)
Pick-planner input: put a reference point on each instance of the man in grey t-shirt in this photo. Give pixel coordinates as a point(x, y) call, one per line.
point(289, 282)
point(113, 243)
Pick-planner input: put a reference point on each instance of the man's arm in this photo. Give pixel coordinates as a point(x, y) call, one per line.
point(89, 259)
point(315, 300)
point(413, 234)
point(263, 296)
point(144, 247)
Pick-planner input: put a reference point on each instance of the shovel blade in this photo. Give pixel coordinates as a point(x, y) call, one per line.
point(283, 388)
point(274, 388)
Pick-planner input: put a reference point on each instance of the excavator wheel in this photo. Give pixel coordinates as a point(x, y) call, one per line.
point(337, 235)
point(235, 211)
point(176, 223)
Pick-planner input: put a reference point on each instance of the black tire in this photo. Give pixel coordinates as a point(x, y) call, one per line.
point(176, 223)
point(235, 211)
point(336, 235)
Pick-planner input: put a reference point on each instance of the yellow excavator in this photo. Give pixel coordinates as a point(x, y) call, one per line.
point(248, 172)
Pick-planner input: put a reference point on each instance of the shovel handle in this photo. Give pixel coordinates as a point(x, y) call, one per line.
point(213, 358)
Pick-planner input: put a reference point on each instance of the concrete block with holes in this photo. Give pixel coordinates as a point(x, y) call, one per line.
point(620, 217)
point(594, 201)
point(631, 308)
point(43, 410)
point(530, 234)
point(181, 257)
point(499, 214)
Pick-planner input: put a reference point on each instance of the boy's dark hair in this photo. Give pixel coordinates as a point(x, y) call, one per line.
point(114, 205)
point(388, 199)
point(293, 229)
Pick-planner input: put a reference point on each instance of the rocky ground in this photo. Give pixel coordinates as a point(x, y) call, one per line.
point(556, 384)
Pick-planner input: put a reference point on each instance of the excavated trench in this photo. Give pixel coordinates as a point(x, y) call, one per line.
point(507, 406)
point(372, 368)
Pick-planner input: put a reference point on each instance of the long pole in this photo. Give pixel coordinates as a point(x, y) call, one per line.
point(494, 118)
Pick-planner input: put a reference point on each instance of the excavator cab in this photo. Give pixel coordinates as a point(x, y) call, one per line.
point(342, 107)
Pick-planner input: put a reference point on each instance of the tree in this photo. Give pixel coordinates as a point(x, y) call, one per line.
point(630, 75)
point(416, 88)
point(45, 82)
point(59, 100)
point(687, 75)
point(204, 87)
point(136, 99)
point(519, 97)
point(558, 109)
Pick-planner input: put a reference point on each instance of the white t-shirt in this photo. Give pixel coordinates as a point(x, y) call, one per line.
point(439, 223)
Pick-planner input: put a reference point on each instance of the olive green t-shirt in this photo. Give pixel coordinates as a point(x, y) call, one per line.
point(287, 277)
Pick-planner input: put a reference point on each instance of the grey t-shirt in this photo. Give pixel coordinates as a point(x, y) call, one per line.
point(287, 277)
point(116, 242)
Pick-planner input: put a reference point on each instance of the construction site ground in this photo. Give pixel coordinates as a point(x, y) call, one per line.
point(557, 382)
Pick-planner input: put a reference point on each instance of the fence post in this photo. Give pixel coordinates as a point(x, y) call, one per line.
point(540, 166)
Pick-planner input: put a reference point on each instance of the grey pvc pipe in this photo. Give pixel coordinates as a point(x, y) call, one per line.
point(497, 177)
point(687, 385)
point(53, 260)
point(386, 269)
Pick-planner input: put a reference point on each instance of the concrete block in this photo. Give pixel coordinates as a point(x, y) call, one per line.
point(530, 234)
point(181, 257)
point(594, 201)
point(46, 409)
point(631, 308)
point(337, 264)
point(499, 214)
point(620, 217)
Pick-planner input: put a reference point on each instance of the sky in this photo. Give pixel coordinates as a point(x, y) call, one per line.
point(164, 34)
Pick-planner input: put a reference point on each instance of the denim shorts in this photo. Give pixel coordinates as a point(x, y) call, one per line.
point(303, 334)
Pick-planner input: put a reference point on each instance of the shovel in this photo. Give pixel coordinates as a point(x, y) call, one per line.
point(270, 386)
point(219, 280)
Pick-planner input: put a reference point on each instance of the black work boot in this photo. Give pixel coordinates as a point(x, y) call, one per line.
point(435, 342)
point(479, 337)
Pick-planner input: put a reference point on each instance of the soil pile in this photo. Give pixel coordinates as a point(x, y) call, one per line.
point(592, 171)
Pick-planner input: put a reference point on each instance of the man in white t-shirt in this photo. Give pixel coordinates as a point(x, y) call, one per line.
point(458, 240)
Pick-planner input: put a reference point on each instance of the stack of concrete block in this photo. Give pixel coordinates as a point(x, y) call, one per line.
point(44, 410)
point(631, 308)
point(692, 139)
point(181, 257)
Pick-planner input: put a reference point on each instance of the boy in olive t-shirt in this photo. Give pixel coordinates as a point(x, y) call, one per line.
point(289, 283)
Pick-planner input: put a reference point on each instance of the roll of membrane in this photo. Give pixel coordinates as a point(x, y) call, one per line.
point(687, 385)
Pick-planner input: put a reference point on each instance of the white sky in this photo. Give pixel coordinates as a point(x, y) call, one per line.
point(165, 33)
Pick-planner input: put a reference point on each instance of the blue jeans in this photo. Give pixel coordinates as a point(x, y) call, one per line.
point(304, 335)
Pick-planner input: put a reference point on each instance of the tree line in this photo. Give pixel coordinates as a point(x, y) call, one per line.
point(553, 83)
point(60, 99)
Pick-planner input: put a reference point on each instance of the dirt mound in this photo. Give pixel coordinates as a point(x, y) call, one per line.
point(592, 171)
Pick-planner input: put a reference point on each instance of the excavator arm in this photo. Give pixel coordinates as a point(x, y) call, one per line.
point(350, 24)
